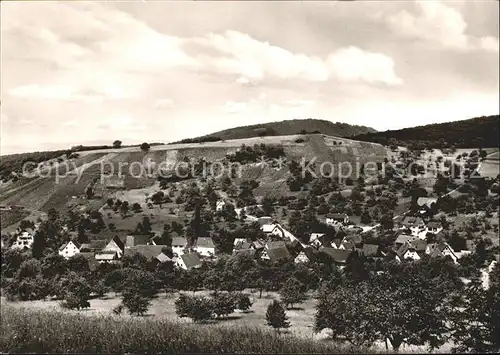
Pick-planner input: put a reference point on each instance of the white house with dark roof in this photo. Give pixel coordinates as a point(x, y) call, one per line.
point(188, 261)
point(179, 244)
point(69, 249)
point(337, 218)
point(204, 246)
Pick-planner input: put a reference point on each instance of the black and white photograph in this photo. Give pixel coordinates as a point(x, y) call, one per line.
point(264, 177)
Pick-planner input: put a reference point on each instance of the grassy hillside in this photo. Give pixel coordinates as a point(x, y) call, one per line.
point(28, 331)
point(475, 132)
point(284, 128)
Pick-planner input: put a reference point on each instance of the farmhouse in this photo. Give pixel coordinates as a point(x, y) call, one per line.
point(304, 256)
point(107, 256)
point(219, 205)
point(338, 256)
point(404, 239)
point(434, 227)
point(69, 249)
point(188, 261)
point(204, 246)
point(337, 218)
point(372, 250)
point(148, 251)
point(116, 245)
point(276, 251)
point(93, 246)
point(139, 239)
point(406, 251)
point(178, 245)
point(441, 250)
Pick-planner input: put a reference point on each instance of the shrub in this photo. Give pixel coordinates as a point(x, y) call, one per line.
point(199, 309)
point(136, 302)
point(276, 316)
point(243, 302)
point(223, 304)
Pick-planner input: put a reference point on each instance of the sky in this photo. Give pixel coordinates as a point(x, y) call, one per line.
point(157, 71)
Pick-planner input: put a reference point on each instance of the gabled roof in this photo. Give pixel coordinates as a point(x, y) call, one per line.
point(338, 255)
point(258, 244)
point(247, 251)
point(94, 245)
point(179, 242)
point(118, 241)
point(436, 249)
point(77, 245)
point(191, 260)
point(268, 228)
point(242, 245)
point(348, 245)
point(336, 216)
point(402, 250)
point(278, 253)
point(265, 220)
point(434, 225)
point(403, 238)
point(419, 245)
point(275, 244)
point(138, 239)
point(106, 255)
point(204, 242)
point(370, 249)
point(162, 258)
point(426, 201)
point(316, 236)
point(148, 251)
point(410, 221)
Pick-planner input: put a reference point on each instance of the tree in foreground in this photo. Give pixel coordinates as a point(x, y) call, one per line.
point(276, 316)
point(145, 147)
point(135, 301)
point(292, 293)
point(199, 309)
point(76, 292)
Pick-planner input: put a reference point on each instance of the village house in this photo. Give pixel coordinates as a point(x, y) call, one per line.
point(219, 205)
point(316, 239)
point(93, 246)
point(188, 261)
point(24, 239)
point(179, 244)
point(204, 246)
point(434, 227)
point(69, 249)
point(116, 245)
point(338, 256)
point(305, 255)
point(404, 239)
point(371, 250)
point(415, 225)
point(107, 256)
point(276, 251)
point(139, 239)
point(150, 252)
point(337, 218)
point(441, 249)
point(406, 251)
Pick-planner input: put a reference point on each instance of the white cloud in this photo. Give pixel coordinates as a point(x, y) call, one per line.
point(254, 60)
point(352, 64)
point(436, 22)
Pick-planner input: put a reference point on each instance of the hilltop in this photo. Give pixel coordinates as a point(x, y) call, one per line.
point(284, 128)
point(474, 132)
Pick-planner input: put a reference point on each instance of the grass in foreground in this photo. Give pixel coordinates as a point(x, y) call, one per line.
point(30, 331)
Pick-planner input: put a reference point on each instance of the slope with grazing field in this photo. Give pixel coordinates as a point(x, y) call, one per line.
point(136, 165)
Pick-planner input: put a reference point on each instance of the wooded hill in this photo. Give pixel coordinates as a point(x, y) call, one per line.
point(476, 132)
